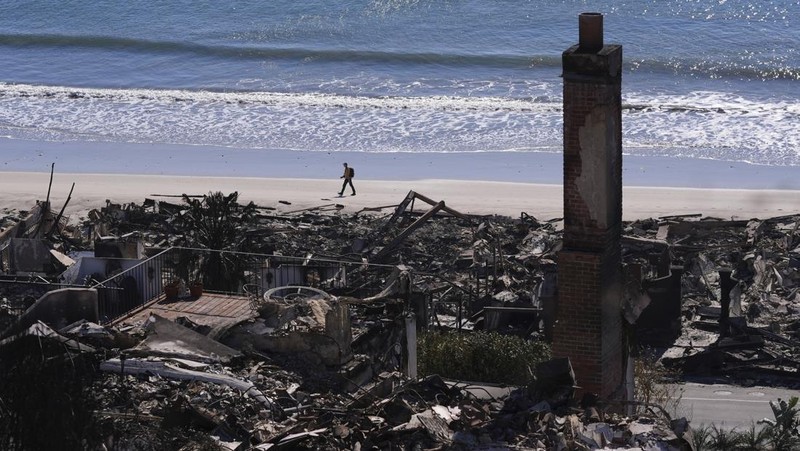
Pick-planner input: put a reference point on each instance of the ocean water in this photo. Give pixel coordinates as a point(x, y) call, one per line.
point(710, 79)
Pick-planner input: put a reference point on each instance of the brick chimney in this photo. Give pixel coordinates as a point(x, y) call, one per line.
point(588, 326)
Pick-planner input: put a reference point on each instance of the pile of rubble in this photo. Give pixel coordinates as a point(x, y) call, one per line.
point(329, 364)
point(734, 310)
point(161, 385)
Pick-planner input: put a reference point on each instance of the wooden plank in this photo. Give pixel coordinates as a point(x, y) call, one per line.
point(231, 309)
point(225, 307)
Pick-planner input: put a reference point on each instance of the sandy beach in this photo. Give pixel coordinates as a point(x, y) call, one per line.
point(504, 183)
point(20, 191)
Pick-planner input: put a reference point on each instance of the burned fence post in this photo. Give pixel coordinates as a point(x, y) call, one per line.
point(726, 284)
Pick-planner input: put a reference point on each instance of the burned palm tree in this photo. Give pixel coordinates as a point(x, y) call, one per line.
point(217, 222)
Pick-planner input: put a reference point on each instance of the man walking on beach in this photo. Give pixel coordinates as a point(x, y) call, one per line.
point(348, 175)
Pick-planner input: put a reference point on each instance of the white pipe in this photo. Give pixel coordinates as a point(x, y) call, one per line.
point(138, 366)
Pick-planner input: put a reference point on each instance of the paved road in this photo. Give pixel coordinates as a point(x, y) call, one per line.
point(729, 406)
point(723, 405)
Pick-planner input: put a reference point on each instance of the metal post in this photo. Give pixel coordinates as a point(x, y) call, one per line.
point(630, 388)
point(411, 345)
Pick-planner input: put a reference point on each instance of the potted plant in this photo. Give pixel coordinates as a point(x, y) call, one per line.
point(172, 289)
point(196, 288)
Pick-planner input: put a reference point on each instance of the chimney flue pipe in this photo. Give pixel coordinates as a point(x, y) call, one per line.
point(590, 30)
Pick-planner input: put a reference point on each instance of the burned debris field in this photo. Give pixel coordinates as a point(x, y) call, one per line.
point(205, 323)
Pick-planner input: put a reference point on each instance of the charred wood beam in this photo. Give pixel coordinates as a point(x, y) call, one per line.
point(199, 196)
point(46, 213)
point(409, 201)
point(317, 208)
point(432, 202)
point(772, 336)
point(61, 213)
point(408, 231)
point(401, 208)
point(382, 207)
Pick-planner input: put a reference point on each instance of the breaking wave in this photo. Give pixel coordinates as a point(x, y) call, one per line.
point(713, 125)
point(167, 96)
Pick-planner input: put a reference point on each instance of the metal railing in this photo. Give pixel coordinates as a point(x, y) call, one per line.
point(232, 273)
point(21, 293)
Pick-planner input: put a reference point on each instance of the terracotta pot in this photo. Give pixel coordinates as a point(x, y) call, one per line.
point(196, 290)
point(171, 291)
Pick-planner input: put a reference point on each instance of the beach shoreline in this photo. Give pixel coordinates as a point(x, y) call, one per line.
point(501, 183)
point(519, 167)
